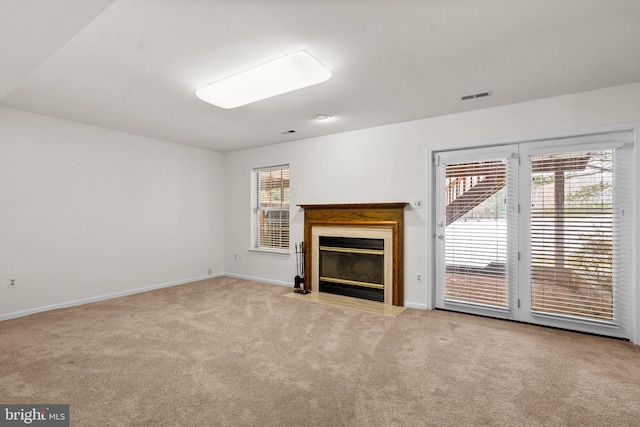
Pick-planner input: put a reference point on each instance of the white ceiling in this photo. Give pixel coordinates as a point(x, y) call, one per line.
point(133, 65)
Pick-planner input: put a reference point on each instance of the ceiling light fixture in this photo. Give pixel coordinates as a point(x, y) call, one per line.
point(323, 117)
point(280, 76)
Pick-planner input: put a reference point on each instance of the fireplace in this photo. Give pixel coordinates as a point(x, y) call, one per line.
point(355, 250)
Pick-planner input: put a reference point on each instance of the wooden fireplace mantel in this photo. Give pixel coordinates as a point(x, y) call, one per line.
point(374, 215)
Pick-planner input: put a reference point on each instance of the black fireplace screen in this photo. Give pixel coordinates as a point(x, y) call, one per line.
point(352, 267)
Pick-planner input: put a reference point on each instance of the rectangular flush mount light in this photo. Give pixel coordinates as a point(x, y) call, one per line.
point(280, 76)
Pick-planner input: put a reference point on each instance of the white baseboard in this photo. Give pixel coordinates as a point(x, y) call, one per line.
point(259, 279)
point(66, 304)
point(417, 305)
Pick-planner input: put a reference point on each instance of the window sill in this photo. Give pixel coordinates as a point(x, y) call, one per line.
point(271, 251)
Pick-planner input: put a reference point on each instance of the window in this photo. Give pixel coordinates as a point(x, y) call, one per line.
point(271, 208)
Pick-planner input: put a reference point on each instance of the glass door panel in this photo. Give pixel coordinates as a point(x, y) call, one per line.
point(476, 233)
point(477, 222)
point(572, 234)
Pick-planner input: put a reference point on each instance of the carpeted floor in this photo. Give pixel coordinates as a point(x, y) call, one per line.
point(229, 352)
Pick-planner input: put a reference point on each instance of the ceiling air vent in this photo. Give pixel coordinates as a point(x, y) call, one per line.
point(475, 95)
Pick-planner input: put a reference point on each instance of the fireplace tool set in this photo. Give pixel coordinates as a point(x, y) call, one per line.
point(299, 286)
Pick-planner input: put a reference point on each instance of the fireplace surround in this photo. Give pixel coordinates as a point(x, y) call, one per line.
point(349, 229)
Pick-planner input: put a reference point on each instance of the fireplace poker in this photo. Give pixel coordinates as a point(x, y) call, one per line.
point(297, 278)
point(299, 285)
point(302, 251)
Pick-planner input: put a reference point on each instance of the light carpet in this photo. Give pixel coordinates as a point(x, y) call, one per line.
point(231, 352)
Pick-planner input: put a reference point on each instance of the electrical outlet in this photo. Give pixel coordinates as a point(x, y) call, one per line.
point(209, 272)
point(419, 277)
point(12, 283)
point(416, 204)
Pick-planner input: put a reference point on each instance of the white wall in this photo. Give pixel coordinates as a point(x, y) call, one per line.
point(389, 164)
point(87, 212)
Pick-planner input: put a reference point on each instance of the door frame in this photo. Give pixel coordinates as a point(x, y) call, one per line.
point(502, 152)
point(430, 213)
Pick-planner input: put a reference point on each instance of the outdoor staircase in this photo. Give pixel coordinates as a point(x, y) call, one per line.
point(464, 193)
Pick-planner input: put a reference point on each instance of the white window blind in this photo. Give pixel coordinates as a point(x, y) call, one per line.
point(271, 212)
point(476, 233)
point(573, 230)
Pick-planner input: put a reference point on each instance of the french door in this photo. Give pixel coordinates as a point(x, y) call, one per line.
point(537, 232)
